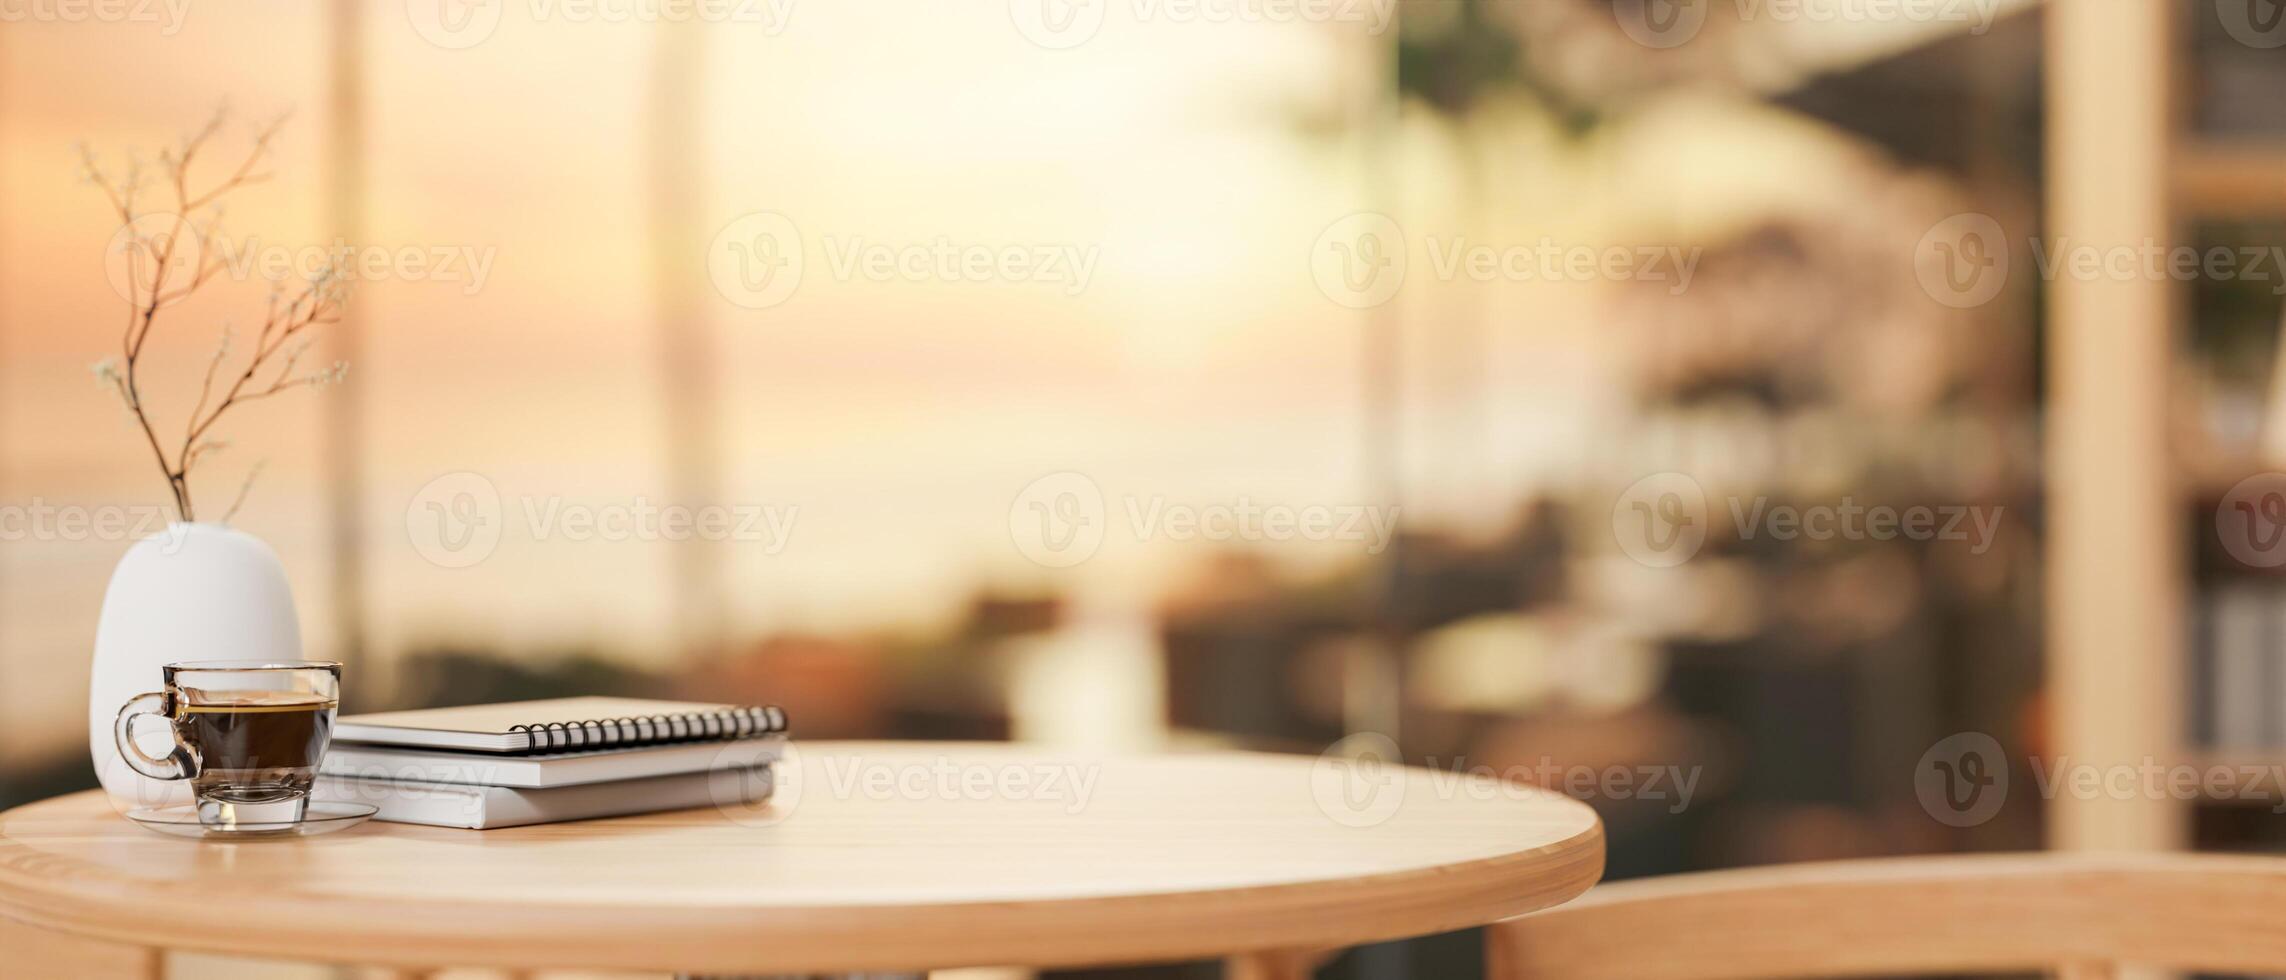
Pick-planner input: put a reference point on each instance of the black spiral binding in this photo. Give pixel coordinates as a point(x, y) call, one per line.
point(734, 723)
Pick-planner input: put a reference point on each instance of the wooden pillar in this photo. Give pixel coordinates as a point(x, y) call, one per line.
point(1373, 679)
point(343, 444)
point(2115, 567)
point(675, 166)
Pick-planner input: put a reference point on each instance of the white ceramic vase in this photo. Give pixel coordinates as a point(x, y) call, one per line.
point(190, 592)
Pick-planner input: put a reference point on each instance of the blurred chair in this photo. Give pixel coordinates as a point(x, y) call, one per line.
point(2080, 916)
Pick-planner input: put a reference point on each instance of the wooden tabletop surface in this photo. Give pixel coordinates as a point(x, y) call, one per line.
point(873, 856)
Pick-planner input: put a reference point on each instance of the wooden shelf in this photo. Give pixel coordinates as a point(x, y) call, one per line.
point(2230, 179)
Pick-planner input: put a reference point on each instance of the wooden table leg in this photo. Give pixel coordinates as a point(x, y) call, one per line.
point(39, 952)
point(1277, 965)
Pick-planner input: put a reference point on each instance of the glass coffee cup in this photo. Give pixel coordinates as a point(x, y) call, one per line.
point(247, 734)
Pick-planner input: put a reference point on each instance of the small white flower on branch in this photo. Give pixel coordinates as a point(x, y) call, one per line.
point(108, 378)
point(107, 373)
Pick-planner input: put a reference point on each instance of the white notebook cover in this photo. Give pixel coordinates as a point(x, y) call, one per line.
point(546, 770)
point(493, 807)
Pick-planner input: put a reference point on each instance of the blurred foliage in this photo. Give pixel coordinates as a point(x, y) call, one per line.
point(2234, 321)
point(1454, 54)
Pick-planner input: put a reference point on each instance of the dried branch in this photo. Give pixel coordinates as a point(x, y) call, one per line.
point(206, 385)
point(243, 490)
point(276, 351)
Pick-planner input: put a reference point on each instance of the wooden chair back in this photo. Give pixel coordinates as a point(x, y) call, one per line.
point(2077, 916)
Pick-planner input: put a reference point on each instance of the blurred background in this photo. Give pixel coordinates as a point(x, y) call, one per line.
point(1476, 374)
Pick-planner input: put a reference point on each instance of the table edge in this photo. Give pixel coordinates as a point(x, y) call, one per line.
point(1046, 933)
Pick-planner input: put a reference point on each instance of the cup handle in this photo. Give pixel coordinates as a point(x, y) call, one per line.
point(182, 763)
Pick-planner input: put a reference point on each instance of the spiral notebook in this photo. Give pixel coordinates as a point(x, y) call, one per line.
point(489, 807)
point(561, 725)
point(545, 770)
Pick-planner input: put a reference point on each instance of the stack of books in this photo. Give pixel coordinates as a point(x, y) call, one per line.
point(527, 762)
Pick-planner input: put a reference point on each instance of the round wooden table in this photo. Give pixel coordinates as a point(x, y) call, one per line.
point(872, 857)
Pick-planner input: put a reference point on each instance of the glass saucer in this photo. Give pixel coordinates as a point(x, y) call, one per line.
point(322, 817)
